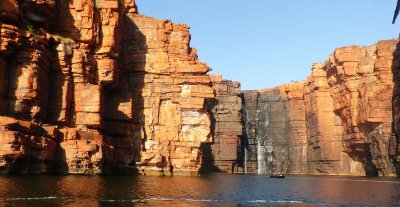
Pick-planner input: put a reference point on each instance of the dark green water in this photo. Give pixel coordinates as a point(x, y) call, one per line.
point(210, 190)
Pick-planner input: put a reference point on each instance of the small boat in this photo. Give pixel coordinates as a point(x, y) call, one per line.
point(277, 176)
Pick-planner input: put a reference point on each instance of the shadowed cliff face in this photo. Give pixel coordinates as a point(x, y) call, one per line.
point(276, 129)
point(395, 151)
point(221, 155)
point(91, 86)
point(337, 122)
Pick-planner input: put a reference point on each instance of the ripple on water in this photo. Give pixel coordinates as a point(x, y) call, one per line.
point(213, 190)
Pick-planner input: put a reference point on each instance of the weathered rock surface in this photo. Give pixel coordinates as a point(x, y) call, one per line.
point(168, 87)
point(338, 122)
point(92, 86)
point(394, 152)
point(221, 155)
point(276, 129)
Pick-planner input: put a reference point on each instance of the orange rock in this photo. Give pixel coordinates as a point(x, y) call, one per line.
point(89, 86)
point(337, 122)
point(65, 93)
point(9, 11)
point(226, 122)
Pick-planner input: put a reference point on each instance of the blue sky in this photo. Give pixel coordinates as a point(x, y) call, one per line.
point(265, 43)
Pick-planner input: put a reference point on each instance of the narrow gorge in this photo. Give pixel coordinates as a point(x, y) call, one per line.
point(94, 87)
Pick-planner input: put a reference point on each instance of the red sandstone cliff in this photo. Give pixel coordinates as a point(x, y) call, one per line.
point(221, 155)
point(338, 122)
point(92, 86)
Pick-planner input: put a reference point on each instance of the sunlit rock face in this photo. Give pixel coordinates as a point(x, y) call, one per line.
point(339, 121)
point(361, 82)
point(93, 87)
point(168, 87)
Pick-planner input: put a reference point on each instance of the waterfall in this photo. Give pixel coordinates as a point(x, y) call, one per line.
point(261, 161)
point(262, 123)
point(261, 151)
point(266, 160)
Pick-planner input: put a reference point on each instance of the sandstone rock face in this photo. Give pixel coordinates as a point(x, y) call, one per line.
point(395, 153)
point(250, 129)
point(167, 86)
point(226, 126)
point(92, 86)
point(276, 129)
point(338, 122)
point(9, 11)
point(362, 97)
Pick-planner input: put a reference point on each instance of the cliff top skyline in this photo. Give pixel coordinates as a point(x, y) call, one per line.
point(267, 43)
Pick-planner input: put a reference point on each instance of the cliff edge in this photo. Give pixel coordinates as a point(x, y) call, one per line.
point(342, 120)
point(91, 86)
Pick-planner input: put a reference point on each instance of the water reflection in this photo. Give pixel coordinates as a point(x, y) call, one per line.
point(215, 190)
point(78, 190)
point(336, 190)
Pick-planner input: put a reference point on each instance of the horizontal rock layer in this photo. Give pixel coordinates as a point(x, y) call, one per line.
point(221, 155)
point(340, 121)
point(93, 87)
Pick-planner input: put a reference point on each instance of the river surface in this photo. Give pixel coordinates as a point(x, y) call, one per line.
point(209, 190)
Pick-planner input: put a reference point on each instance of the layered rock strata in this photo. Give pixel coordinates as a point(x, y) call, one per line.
point(92, 86)
point(395, 141)
point(221, 155)
point(337, 122)
point(250, 129)
point(276, 129)
point(168, 87)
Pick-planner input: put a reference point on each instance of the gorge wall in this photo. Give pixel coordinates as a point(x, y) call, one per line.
point(223, 153)
point(276, 129)
point(339, 121)
point(91, 86)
